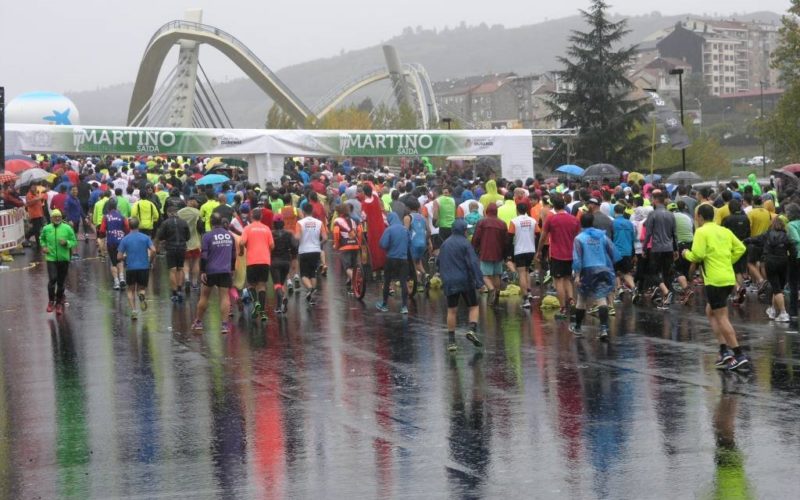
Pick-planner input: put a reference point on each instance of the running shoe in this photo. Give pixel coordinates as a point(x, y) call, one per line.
point(297, 281)
point(134, 315)
point(381, 306)
point(122, 284)
point(636, 297)
point(312, 297)
point(452, 346)
point(593, 310)
point(741, 295)
point(180, 298)
point(285, 305)
point(116, 285)
point(526, 304)
point(174, 299)
point(782, 317)
point(547, 278)
point(225, 327)
point(323, 270)
point(51, 306)
point(256, 311)
point(612, 311)
point(142, 301)
point(686, 297)
point(603, 332)
point(187, 286)
point(264, 316)
point(59, 308)
point(666, 303)
point(198, 324)
point(289, 286)
point(195, 287)
point(741, 362)
point(576, 330)
point(404, 310)
point(723, 359)
point(472, 336)
point(771, 313)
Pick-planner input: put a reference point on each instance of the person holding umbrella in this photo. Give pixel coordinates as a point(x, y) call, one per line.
point(57, 241)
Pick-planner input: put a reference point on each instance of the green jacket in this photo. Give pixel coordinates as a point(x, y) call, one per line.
point(123, 206)
point(717, 249)
point(793, 230)
point(51, 235)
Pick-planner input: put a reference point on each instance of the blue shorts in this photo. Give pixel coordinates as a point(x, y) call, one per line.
point(491, 268)
point(418, 252)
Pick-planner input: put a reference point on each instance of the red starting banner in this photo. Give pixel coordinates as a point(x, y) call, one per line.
point(12, 228)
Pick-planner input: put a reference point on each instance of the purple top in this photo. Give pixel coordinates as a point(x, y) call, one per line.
point(218, 253)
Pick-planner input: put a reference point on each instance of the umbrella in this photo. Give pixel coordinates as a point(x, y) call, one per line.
point(570, 170)
point(794, 168)
point(19, 165)
point(7, 177)
point(651, 178)
point(635, 177)
point(600, 171)
point(684, 178)
point(31, 175)
point(551, 180)
point(786, 178)
point(212, 179)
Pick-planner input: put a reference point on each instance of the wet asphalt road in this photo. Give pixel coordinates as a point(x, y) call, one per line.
point(345, 402)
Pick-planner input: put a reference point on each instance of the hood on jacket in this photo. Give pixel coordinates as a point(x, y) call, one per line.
point(595, 233)
point(460, 227)
point(491, 210)
point(752, 178)
point(491, 187)
point(393, 219)
point(466, 196)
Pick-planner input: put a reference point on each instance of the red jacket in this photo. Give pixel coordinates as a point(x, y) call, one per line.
point(491, 237)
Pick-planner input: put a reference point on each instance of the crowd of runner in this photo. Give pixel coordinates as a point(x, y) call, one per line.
point(581, 246)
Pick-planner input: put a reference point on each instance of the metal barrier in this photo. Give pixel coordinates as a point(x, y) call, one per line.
point(12, 228)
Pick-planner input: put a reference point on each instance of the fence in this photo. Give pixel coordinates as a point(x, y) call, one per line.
point(12, 228)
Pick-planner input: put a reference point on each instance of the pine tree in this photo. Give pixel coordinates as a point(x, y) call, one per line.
point(595, 94)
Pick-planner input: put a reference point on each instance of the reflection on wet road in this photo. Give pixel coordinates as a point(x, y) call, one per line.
point(342, 401)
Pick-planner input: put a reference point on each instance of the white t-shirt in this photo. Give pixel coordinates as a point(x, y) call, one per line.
point(311, 230)
point(523, 227)
point(465, 207)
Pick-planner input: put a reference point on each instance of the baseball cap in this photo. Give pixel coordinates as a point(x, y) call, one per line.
point(593, 200)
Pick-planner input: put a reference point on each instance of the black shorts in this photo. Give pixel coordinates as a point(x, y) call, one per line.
point(222, 280)
point(560, 268)
point(309, 262)
point(682, 265)
point(279, 271)
point(175, 258)
point(754, 253)
point(395, 269)
point(349, 259)
point(717, 296)
point(625, 265)
point(662, 266)
point(524, 259)
point(445, 232)
point(140, 277)
point(112, 254)
point(470, 299)
point(436, 241)
point(740, 266)
point(257, 273)
point(544, 252)
point(777, 271)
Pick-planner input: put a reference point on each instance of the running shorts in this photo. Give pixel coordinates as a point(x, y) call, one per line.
point(717, 296)
point(309, 262)
point(470, 299)
point(221, 280)
point(257, 273)
point(560, 268)
point(140, 277)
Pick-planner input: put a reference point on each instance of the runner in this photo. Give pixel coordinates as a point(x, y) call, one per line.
point(522, 229)
point(489, 241)
point(283, 253)
point(777, 250)
point(660, 231)
point(624, 236)
point(461, 278)
point(35, 203)
point(717, 249)
point(420, 239)
point(57, 241)
point(174, 232)
point(684, 231)
point(395, 241)
point(257, 240)
point(593, 259)
point(218, 256)
point(147, 213)
point(113, 228)
point(311, 233)
point(137, 250)
point(191, 263)
point(560, 230)
point(347, 237)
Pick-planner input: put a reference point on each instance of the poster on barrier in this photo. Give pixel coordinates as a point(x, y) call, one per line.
point(12, 228)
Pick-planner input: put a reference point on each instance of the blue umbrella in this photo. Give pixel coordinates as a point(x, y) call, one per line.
point(570, 170)
point(212, 179)
point(650, 178)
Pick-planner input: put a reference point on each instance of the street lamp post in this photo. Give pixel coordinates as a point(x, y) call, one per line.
point(679, 72)
point(763, 142)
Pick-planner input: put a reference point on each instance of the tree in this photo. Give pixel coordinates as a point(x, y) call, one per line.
point(785, 56)
point(277, 119)
point(595, 93)
point(388, 118)
point(348, 118)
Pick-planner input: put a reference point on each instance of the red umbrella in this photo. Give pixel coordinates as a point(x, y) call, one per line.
point(18, 165)
point(7, 177)
point(794, 168)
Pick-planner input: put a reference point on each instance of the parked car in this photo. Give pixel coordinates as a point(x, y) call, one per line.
point(759, 160)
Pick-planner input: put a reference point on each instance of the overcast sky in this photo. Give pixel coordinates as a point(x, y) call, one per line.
point(84, 44)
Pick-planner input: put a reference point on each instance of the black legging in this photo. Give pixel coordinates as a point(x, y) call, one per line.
point(57, 272)
point(395, 269)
